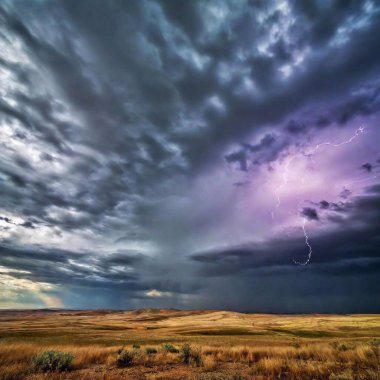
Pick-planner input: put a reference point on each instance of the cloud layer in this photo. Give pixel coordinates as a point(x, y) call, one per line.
point(154, 151)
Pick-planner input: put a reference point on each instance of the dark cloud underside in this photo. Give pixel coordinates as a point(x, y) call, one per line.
point(126, 125)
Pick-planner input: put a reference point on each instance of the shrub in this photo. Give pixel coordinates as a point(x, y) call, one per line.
point(125, 358)
point(53, 361)
point(170, 348)
point(186, 353)
point(196, 357)
point(136, 346)
point(190, 355)
point(150, 350)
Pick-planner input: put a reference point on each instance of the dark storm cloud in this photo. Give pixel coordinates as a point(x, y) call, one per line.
point(329, 206)
point(310, 213)
point(266, 150)
point(367, 167)
point(5, 219)
point(143, 61)
point(345, 193)
point(294, 126)
point(324, 205)
point(240, 157)
point(113, 107)
point(73, 268)
point(116, 280)
point(26, 224)
point(308, 86)
point(364, 101)
point(338, 252)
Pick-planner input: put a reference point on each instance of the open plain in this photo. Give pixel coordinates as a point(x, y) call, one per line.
point(223, 345)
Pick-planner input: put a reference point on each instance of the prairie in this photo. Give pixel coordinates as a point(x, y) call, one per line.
point(223, 345)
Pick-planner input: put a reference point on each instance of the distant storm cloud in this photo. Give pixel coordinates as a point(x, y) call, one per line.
point(153, 150)
point(367, 167)
point(310, 213)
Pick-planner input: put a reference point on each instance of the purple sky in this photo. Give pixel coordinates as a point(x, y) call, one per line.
point(178, 154)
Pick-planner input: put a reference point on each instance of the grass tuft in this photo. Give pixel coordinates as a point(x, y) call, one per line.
point(50, 361)
point(151, 350)
point(170, 348)
point(124, 358)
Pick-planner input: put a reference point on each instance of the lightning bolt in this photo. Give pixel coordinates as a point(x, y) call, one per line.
point(285, 178)
point(307, 243)
point(358, 132)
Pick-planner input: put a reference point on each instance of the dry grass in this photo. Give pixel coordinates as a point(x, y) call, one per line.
point(311, 361)
point(209, 363)
point(266, 347)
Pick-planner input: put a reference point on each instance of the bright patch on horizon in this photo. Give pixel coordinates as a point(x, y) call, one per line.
point(154, 293)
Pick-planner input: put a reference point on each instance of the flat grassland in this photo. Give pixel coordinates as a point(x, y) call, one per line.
point(224, 345)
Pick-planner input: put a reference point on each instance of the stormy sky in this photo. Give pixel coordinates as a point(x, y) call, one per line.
point(190, 154)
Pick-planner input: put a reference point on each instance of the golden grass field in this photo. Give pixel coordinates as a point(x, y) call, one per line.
point(228, 345)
